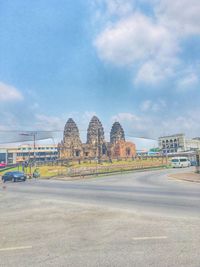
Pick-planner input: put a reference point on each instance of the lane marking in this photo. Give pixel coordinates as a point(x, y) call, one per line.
point(15, 248)
point(149, 237)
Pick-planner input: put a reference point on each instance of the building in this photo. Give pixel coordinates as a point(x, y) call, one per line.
point(18, 154)
point(96, 146)
point(178, 143)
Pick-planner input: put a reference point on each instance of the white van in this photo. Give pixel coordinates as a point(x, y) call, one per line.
point(180, 162)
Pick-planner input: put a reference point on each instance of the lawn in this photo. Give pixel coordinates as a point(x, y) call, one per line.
point(45, 171)
point(86, 167)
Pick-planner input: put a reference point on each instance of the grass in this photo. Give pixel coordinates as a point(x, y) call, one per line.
point(93, 167)
point(117, 166)
point(50, 171)
point(114, 163)
point(45, 171)
point(2, 171)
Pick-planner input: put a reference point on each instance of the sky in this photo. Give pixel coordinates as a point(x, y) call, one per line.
point(132, 61)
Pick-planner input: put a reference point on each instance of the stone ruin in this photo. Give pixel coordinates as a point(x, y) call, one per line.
point(95, 132)
point(96, 146)
point(117, 133)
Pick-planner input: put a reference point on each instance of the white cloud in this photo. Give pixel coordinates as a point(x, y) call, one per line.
point(128, 117)
point(188, 82)
point(104, 10)
point(148, 44)
point(155, 71)
point(155, 106)
point(119, 7)
point(133, 125)
point(182, 16)
point(54, 123)
point(86, 117)
point(9, 93)
point(148, 126)
point(125, 42)
point(146, 105)
point(3, 128)
point(45, 122)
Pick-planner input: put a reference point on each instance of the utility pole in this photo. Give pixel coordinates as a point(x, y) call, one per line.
point(34, 145)
point(198, 161)
point(34, 142)
point(99, 146)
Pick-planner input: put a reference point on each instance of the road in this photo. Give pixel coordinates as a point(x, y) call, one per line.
point(136, 219)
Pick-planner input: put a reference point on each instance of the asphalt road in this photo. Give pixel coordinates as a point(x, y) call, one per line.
point(136, 219)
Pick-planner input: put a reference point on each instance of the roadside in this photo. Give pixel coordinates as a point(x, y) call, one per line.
point(90, 168)
point(187, 176)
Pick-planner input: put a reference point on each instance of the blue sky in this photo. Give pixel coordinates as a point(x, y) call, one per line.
point(137, 62)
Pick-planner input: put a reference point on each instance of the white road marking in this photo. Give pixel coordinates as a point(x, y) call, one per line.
point(149, 237)
point(15, 248)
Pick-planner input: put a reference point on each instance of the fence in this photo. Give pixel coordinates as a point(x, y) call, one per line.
point(98, 169)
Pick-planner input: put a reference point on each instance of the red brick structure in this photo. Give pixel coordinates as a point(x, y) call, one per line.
point(123, 149)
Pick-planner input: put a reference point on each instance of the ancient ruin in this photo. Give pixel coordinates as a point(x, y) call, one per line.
point(71, 145)
point(117, 133)
point(95, 132)
point(96, 146)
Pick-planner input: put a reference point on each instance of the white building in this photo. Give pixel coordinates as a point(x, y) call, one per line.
point(178, 143)
point(17, 154)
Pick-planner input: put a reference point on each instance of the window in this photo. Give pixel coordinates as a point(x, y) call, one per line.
point(183, 160)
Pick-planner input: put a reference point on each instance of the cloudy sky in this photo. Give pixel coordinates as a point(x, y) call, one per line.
point(135, 61)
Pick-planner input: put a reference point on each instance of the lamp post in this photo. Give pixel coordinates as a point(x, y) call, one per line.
point(33, 134)
point(99, 146)
point(198, 162)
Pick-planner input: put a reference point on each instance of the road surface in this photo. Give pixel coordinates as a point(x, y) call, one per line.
point(135, 219)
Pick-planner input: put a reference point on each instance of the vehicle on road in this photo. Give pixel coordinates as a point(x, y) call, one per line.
point(180, 162)
point(193, 162)
point(14, 176)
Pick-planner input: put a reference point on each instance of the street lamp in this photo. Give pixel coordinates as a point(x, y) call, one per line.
point(33, 134)
point(98, 146)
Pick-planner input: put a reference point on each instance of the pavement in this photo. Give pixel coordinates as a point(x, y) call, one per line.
point(136, 219)
point(187, 176)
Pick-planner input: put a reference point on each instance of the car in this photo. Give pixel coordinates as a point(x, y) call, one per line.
point(14, 176)
point(193, 162)
point(180, 162)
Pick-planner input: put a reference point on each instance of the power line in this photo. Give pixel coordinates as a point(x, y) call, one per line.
point(14, 136)
point(61, 131)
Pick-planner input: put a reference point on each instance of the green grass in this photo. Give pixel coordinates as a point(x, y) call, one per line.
point(114, 163)
point(93, 167)
point(44, 170)
point(10, 169)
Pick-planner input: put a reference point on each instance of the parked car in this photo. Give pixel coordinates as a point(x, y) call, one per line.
point(193, 162)
point(14, 176)
point(180, 162)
